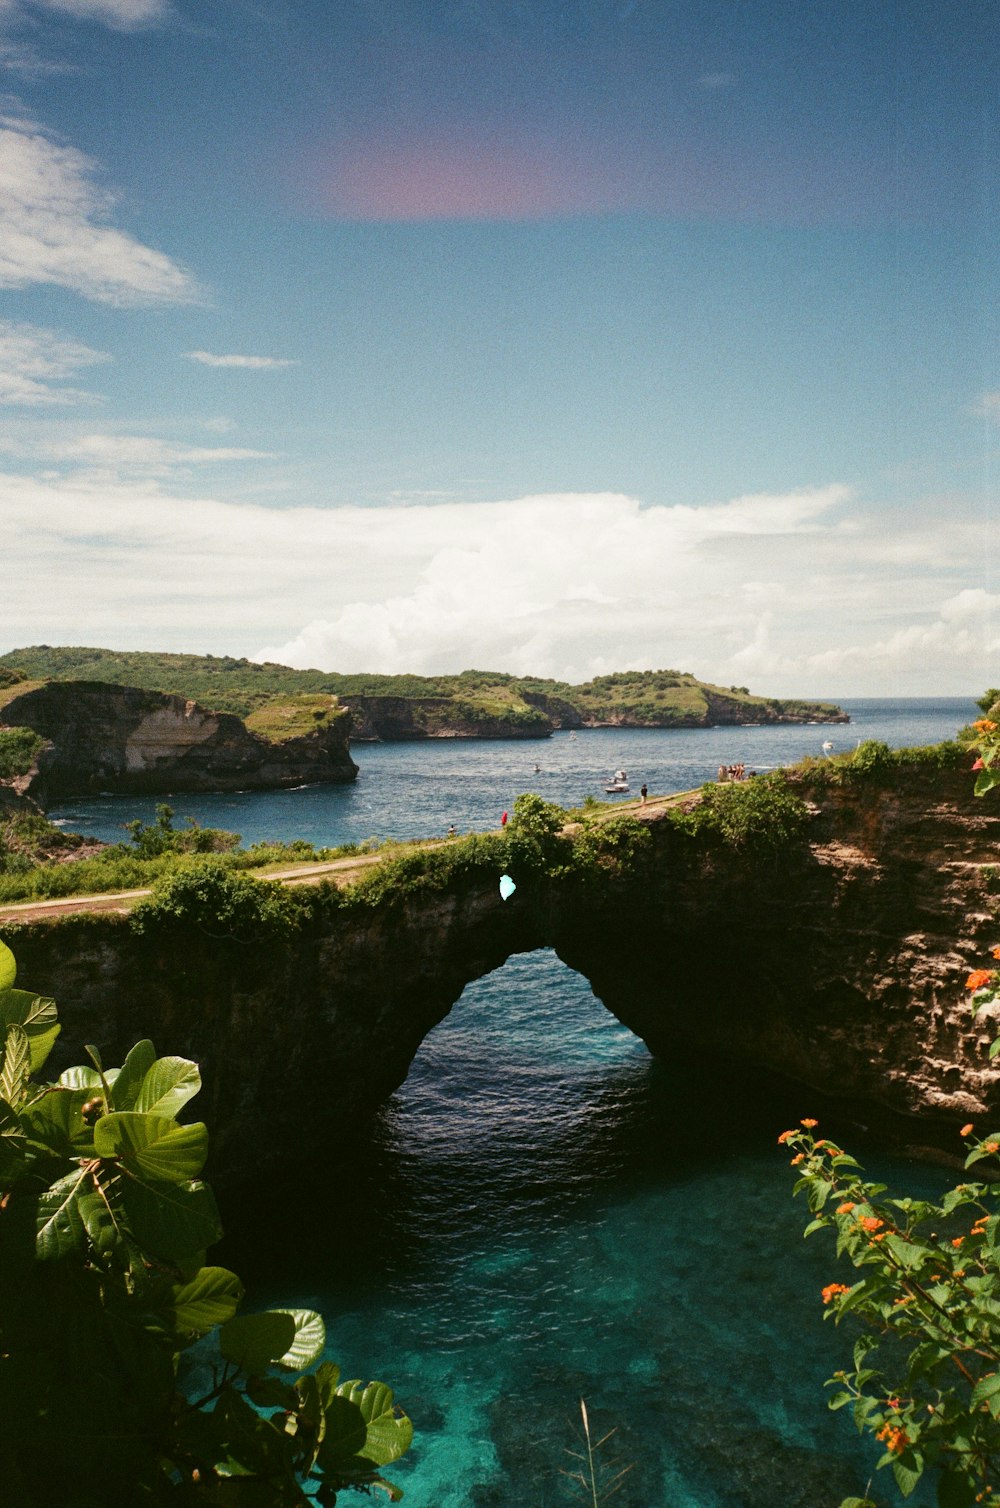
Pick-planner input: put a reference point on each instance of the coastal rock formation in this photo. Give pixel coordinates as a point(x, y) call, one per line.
point(397, 719)
point(119, 738)
point(838, 967)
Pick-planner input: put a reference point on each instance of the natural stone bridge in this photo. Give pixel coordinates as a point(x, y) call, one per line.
point(839, 966)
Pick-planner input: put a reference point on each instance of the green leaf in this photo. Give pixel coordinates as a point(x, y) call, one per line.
point(56, 1119)
point(59, 1227)
point(310, 1338)
point(151, 1146)
point(253, 1341)
point(345, 1434)
point(80, 1078)
point(906, 1253)
point(134, 1069)
point(16, 1066)
point(985, 1388)
point(171, 1220)
point(100, 1223)
point(985, 781)
point(168, 1086)
point(211, 1298)
point(39, 1018)
point(388, 1435)
point(8, 968)
point(907, 1469)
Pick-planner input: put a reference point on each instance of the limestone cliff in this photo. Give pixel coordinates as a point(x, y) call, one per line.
point(119, 738)
point(838, 967)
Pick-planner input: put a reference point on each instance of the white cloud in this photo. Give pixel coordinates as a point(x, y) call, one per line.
point(124, 15)
point(32, 359)
point(252, 363)
point(112, 457)
point(52, 230)
point(564, 585)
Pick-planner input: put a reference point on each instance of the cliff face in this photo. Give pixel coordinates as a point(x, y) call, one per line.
point(839, 967)
point(396, 719)
point(119, 738)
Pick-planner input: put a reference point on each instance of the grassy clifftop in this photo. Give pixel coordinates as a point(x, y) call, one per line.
point(470, 702)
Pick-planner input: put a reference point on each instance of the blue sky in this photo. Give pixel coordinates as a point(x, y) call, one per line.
point(542, 337)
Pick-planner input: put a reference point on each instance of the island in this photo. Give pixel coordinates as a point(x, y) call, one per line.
point(472, 704)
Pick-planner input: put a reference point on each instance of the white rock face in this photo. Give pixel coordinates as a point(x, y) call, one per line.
point(166, 733)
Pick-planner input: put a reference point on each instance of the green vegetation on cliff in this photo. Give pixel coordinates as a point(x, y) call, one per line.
point(640, 698)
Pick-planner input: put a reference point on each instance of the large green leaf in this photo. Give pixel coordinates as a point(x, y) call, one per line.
point(310, 1338)
point(16, 1069)
point(80, 1078)
point(56, 1119)
point(8, 968)
point(100, 1222)
point(388, 1435)
point(38, 1015)
point(211, 1298)
point(344, 1436)
point(171, 1220)
point(152, 1147)
point(59, 1227)
point(126, 1087)
point(168, 1086)
point(253, 1341)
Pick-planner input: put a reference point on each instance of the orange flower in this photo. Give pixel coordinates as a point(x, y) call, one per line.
point(985, 726)
point(895, 1439)
point(809, 1124)
point(845, 1208)
point(786, 1136)
point(993, 1146)
point(957, 1241)
point(995, 952)
point(800, 1157)
point(832, 1289)
point(978, 978)
point(871, 1222)
point(966, 1129)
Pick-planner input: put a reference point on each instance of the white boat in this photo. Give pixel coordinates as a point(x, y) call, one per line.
point(618, 784)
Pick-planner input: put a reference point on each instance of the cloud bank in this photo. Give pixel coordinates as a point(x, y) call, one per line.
point(794, 593)
point(52, 230)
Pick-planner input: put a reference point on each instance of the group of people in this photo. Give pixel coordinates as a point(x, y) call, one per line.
point(731, 772)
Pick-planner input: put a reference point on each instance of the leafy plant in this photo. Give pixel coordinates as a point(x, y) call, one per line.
point(104, 1222)
point(761, 815)
point(18, 747)
point(925, 1373)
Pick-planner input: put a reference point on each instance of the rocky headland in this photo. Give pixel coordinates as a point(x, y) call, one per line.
point(96, 737)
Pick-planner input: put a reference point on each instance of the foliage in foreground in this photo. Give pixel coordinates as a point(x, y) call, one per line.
point(925, 1373)
point(104, 1289)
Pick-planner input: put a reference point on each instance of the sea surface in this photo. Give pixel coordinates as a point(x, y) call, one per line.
point(543, 1213)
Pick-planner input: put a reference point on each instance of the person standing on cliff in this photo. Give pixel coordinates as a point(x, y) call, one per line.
point(643, 792)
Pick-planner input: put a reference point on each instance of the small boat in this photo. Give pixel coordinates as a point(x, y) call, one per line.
point(618, 784)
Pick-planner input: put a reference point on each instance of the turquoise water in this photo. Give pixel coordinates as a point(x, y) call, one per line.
point(542, 1212)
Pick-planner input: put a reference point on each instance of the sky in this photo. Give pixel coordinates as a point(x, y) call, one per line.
point(552, 338)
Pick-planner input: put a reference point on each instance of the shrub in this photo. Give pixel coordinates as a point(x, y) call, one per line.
point(761, 815)
point(104, 1220)
point(18, 747)
point(219, 902)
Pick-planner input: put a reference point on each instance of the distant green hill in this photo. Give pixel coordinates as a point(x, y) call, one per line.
point(474, 702)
